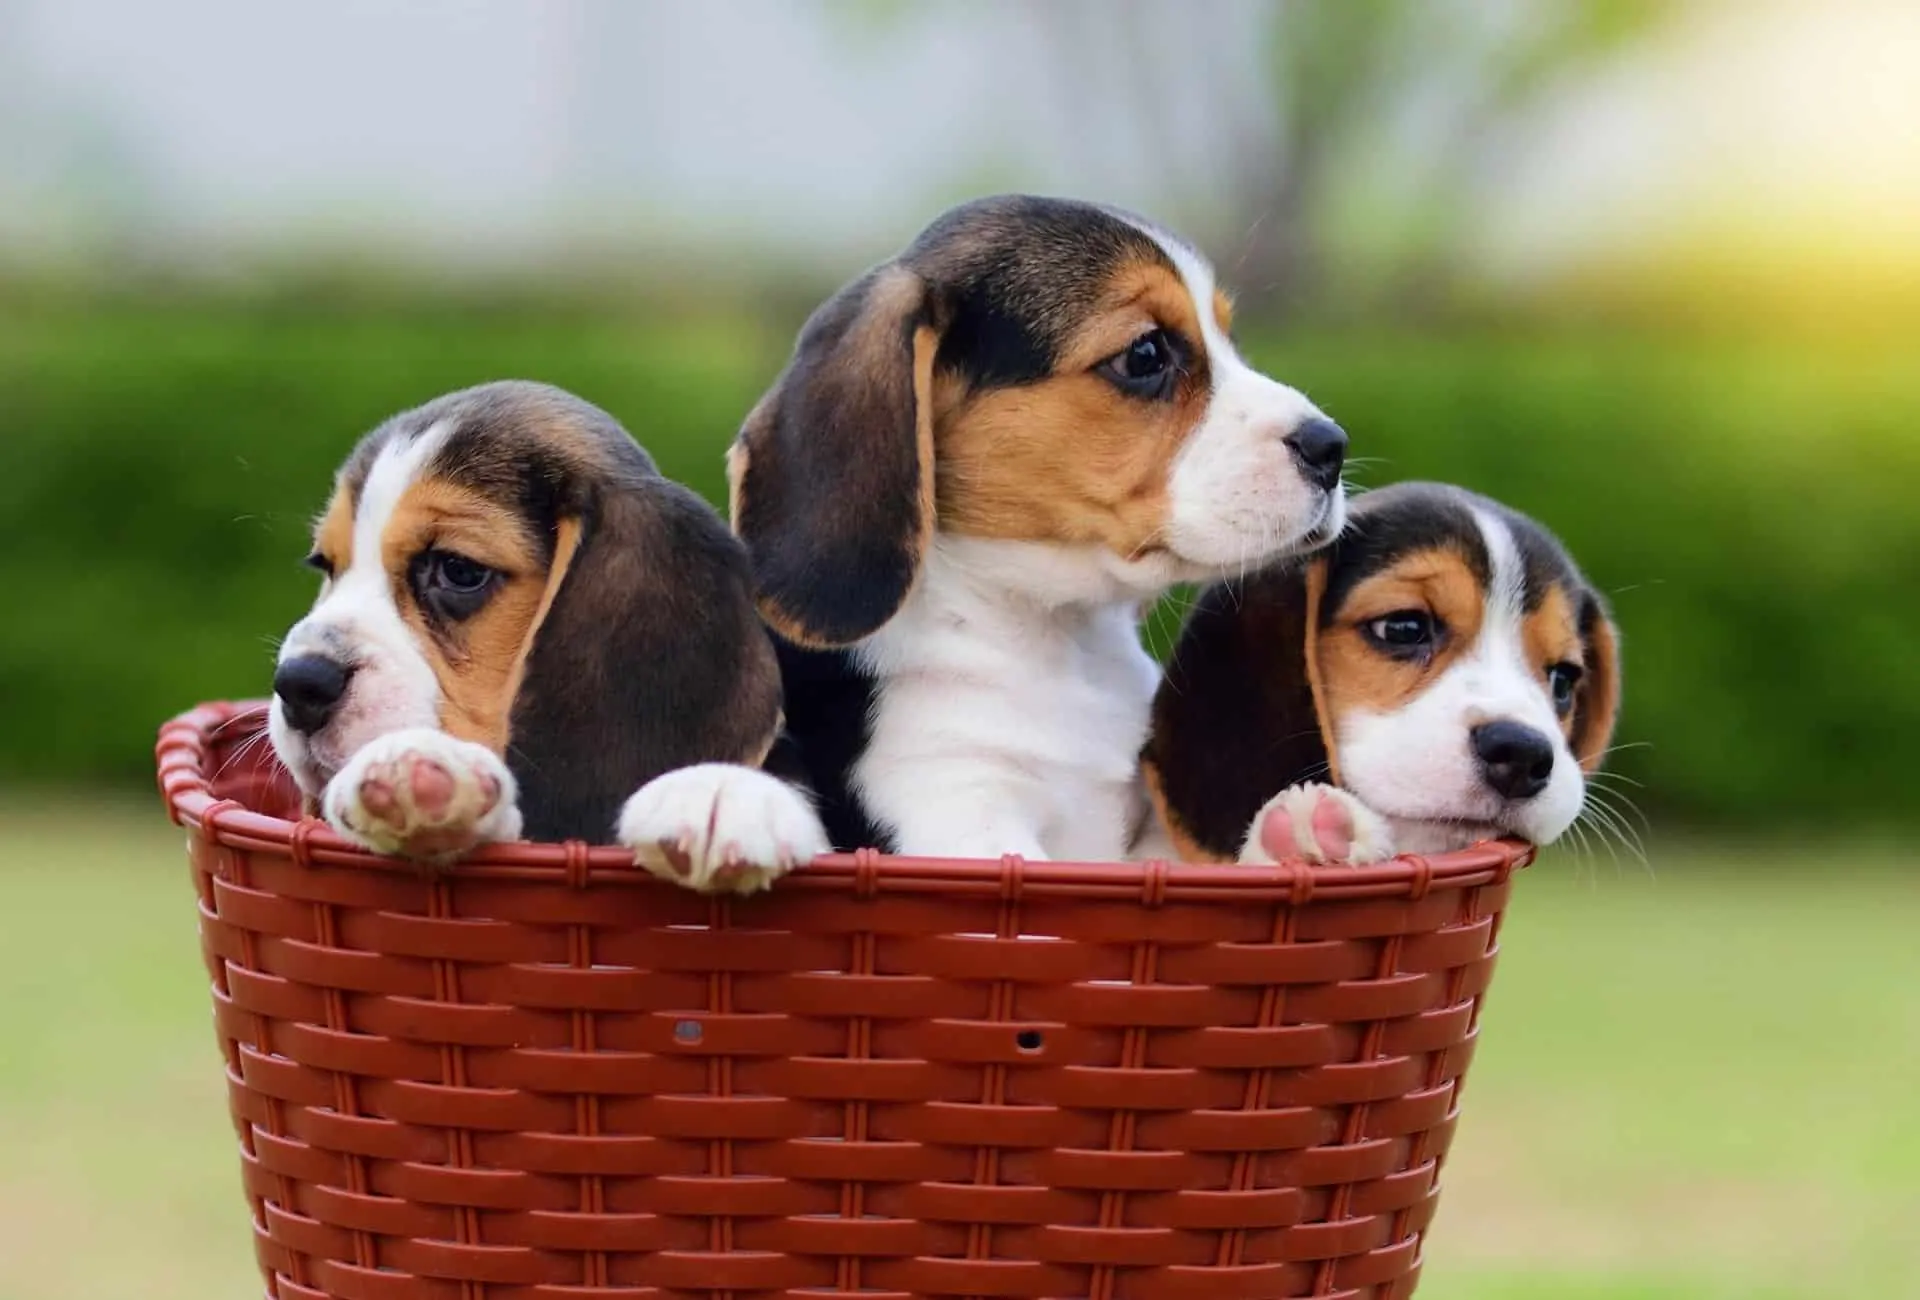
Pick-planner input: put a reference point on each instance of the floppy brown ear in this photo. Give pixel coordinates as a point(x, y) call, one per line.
point(1316, 670)
point(832, 475)
point(1599, 707)
point(1235, 721)
point(649, 656)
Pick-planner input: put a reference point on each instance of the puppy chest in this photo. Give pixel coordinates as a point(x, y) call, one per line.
point(1043, 731)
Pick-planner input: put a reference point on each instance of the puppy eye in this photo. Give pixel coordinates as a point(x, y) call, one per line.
point(319, 563)
point(1405, 633)
point(452, 585)
point(1561, 679)
point(458, 573)
point(1147, 366)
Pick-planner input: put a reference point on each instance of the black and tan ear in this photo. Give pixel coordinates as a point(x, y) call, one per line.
point(832, 475)
point(649, 656)
point(1236, 720)
point(1599, 706)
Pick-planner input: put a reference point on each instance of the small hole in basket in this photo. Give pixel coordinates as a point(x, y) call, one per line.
point(1029, 1040)
point(687, 1031)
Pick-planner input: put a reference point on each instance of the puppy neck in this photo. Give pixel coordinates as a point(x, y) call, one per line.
point(1017, 604)
point(1028, 578)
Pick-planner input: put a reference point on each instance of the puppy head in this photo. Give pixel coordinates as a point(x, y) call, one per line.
point(505, 564)
point(1030, 371)
point(1444, 660)
point(1466, 672)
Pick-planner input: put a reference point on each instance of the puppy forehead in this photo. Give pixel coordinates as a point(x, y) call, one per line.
point(1391, 529)
point(1023, 274)
point(367, 487)
point(1390, 522)
point(530, 448)
point(1035, 253)
point(506, 440)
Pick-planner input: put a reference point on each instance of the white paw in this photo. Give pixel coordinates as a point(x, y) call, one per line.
point(719, 827)
point(1317, 823)
point(423, 794)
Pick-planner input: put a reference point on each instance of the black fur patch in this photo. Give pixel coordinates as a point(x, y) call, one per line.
point(1233, 722)
point(1544, 562)
point(829, 712)
point(1016, 274)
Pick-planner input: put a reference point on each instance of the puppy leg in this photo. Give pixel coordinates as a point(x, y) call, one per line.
point(1317, 823)
point(718, 827)
point(423, 794)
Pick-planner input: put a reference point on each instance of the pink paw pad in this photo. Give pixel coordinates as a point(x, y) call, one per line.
point(1330, 823)
point(433, 787)
point(377, 797)
point(1332, 828)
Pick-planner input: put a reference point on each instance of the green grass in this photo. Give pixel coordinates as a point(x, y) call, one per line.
point(1695, 1085)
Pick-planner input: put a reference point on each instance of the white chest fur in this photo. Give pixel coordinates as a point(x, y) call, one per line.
point(1012, 700)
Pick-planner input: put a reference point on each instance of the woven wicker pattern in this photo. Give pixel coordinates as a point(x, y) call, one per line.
point(544, 1076)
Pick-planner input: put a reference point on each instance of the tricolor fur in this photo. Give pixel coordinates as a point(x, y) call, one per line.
point(512, 590)
point(984, 458)
point(1444, 663)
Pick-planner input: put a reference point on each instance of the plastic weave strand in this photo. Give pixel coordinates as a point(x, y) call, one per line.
point(544, 1076)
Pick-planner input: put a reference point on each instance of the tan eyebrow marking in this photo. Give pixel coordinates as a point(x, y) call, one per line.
point(1551, 634)
point(333, 532)
point(1355, 675)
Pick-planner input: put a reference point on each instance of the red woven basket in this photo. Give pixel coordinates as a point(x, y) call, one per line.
point(546, 1076)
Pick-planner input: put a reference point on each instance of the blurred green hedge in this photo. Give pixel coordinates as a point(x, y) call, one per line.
point(1748, 504)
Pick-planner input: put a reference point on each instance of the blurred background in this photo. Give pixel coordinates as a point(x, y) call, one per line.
point(1647, 270)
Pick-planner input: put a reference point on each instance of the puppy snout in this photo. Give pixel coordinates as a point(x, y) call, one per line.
point(310, 687)
point(1515, 760)
point(1319, 447)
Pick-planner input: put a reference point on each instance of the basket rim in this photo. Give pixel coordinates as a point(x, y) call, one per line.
point(186, 741)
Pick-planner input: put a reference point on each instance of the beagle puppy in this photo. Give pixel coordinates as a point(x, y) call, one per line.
point(523, 629)
point(984, 457)
point(1440, 675)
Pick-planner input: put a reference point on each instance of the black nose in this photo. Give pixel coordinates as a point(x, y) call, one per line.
point(309, 687)
point(1320, 447)
point(1516, 760)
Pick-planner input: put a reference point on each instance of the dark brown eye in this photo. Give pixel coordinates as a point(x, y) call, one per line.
point(452, 585)
point(1404, 634)
point(1147, 366)
point(458, 573)
point(319, 563)
point(1562, 678)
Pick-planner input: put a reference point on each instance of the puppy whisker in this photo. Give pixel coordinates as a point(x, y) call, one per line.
point(1612, 828)
point(248, 751)
point(1621, 803)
